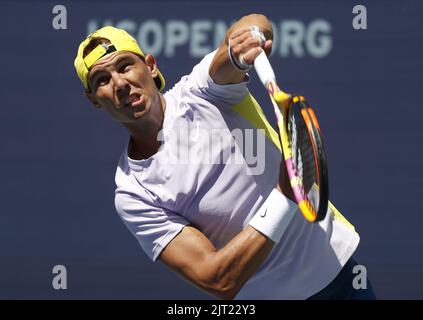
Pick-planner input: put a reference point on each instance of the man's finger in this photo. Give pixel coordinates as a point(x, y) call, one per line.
point(240, 32)
point(251, 55)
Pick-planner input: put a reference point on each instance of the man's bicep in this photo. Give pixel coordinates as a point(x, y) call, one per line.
point(189, 255)
point(220, 95)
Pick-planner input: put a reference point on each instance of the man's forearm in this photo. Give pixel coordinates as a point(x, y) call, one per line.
point(223, 272)
point(235, 263)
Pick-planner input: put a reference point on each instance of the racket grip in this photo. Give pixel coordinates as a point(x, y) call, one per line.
point(264, 69)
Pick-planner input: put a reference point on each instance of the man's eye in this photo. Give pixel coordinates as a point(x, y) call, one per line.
point(125, 67)
point(102, 81)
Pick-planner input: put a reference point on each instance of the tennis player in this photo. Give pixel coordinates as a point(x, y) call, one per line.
point(224, 220)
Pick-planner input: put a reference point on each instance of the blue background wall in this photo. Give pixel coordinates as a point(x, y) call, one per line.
point(58, 154)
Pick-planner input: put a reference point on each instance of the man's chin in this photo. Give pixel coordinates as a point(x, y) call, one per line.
point(140, 114)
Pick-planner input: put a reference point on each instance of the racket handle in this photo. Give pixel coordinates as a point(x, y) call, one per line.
point(264, 69)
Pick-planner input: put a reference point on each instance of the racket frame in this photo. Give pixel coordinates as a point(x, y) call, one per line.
point(282, 103)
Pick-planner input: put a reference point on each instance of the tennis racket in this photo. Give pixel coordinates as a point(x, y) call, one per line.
point(302, 145)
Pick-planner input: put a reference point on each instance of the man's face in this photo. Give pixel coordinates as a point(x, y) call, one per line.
point(123, 84)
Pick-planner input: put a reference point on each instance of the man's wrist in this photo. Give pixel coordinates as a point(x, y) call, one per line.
point(274, 216)
point(243, 67)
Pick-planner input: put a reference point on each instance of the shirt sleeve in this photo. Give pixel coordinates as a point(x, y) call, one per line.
point(221, 95)
point(152, 226)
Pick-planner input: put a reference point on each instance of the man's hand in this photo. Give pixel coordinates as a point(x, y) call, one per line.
point(244, 45)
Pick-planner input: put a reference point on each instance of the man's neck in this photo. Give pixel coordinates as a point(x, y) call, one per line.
point(144, 141)
point(143, 149)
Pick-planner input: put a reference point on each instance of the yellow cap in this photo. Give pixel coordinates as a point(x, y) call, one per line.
point(120, 40)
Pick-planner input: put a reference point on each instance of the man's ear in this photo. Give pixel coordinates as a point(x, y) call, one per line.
point(92, 98)
point(150, 62)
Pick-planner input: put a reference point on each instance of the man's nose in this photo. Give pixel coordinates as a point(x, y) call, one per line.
point(122, 85)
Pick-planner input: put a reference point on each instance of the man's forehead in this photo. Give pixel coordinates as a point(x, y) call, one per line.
point(110, 59)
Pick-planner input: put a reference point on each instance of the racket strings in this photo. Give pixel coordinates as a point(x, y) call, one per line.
point(303, 158)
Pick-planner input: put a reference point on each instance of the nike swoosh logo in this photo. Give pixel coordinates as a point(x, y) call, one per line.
point(264, 214)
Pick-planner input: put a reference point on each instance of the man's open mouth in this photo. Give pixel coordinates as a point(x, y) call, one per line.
point(134, 100)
